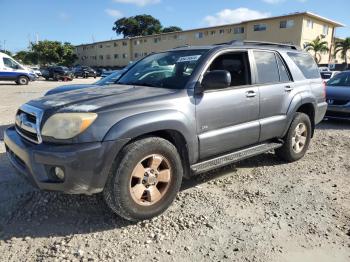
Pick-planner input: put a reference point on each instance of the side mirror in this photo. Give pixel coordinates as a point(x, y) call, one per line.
point(217, 79)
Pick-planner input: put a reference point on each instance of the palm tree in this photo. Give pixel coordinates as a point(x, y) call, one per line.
point(318, 46)
point(343, 46)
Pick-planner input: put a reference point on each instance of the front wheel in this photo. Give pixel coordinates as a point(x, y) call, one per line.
point(297, 139)
point(144, 179)
point(22, 80)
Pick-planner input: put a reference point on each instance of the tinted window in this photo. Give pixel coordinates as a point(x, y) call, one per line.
point(284, 76)
point(266, 66)
point(306, 64)
point(236, 64)
point(8, 62)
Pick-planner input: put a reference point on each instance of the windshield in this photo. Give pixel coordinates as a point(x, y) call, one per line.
point(342, 79)
point(110, 79)
point(170, 69)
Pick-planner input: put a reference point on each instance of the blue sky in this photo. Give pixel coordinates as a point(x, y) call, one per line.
point(82, 21)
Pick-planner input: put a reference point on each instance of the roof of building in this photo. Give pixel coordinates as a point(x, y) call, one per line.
point(335, 23)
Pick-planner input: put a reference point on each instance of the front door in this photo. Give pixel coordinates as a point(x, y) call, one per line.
point(227, 119)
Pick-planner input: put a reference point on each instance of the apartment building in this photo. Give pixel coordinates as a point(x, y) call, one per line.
point(296, 28)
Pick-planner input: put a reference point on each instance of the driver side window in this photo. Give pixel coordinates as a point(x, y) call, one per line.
point(237, 64)
point(10, 63)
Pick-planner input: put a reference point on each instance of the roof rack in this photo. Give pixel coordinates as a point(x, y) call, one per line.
point(260, 43)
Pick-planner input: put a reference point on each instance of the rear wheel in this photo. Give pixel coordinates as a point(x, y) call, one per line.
point(144, 179)
point(297, 139)
point(22, 80)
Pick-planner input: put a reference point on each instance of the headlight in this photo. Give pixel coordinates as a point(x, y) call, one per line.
point(67, 125)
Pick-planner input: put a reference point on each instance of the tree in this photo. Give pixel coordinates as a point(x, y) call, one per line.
point(53, 52)
point(171, 29)
point(343, 46)
point(318, 46)
point(26, 57)
point(139, 25)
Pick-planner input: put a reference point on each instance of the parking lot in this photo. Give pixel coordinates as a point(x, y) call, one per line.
point(260, 209)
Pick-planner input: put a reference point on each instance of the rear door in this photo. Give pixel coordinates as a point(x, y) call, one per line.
point(227, 119)
point(276, 92)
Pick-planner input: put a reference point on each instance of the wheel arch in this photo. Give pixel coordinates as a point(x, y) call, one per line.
point(170, 125)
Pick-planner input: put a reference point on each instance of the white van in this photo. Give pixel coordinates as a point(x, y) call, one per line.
point(11, 70)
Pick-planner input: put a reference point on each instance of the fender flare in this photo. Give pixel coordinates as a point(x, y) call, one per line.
point(297, 101)
point(156, 121)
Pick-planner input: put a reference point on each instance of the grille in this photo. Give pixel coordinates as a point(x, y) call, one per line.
point(27, 123)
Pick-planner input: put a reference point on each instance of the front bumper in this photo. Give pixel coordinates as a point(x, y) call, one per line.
point(338, 112)
point(86, 165)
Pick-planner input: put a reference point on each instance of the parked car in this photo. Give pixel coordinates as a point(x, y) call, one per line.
point(99, 71)
point(84, 72)
point(135, 141)
point(37, 71)
point(109, 80)
point(326, 75)
point(57, 73)
point(11, 70)
point(338, 96)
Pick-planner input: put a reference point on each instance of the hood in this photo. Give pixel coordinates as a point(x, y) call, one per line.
point(93, 99)
point(66, 88)
point(338, 92)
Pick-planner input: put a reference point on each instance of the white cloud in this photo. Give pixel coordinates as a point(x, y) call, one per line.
point(113, 13)
point(138, 2)
point(273, 1)
point(228, 16)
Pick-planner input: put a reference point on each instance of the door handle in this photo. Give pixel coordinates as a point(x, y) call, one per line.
point(250, 94)
point(288, 88)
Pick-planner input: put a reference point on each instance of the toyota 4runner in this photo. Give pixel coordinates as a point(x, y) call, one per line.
point(172, 114)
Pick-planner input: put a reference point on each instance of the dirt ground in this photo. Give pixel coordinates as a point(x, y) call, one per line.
point(257, 210)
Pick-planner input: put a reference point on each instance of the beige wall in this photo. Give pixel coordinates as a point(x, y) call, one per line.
point(138, 47)
point(308, 34)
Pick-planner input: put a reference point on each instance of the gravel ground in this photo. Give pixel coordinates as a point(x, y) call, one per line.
point(257, 210)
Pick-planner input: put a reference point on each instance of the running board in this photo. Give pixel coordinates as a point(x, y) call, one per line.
point(233, 157)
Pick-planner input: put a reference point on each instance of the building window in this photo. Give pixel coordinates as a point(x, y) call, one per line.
point(101, 46)
point(229, 31)
point(286, 24)
point(101, 57)
point(260, 27)
point(136, 55)
point(125, 56)
point(309, 23)
point(108, 57)
point(238, 30)
point(199, 35)
point(222, 31)
point(325, 29)
point(115, 44)
point(157, 39)
point(213, 32)
point(116, 56)
point(125, 43)
point(137, 42)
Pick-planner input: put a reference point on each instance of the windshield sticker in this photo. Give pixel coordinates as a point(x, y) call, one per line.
point(188, 58)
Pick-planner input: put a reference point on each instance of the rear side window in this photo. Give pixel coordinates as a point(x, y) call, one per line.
point(306, 65)
point(284, 75)
point(266, 66)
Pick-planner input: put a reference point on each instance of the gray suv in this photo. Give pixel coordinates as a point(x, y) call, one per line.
point(171, 115)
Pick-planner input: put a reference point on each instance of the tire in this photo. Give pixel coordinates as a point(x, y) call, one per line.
point(128, 173)
point(22, 80)
point(296, 142)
